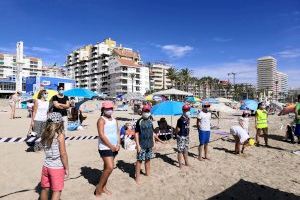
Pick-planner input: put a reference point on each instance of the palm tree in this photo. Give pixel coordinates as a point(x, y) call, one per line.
point(186, 75)
point(173, 75)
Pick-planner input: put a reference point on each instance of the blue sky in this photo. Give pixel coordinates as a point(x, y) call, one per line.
point(211, 37)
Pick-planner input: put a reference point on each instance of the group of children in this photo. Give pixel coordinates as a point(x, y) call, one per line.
point(109, 142)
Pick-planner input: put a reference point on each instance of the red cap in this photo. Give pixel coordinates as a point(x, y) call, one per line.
point(146, 108)
point(107, 104)
point(186, 107)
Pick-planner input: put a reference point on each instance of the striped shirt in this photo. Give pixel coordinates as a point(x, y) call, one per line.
point(52, 159)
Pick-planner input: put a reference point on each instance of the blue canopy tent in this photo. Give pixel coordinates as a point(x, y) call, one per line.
point(80, 92)
point(210, 101)
point(169, 108)
point(249, 104)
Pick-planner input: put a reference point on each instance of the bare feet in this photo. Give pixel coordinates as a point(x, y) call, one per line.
point(200, 158)
point(106, 191)
point(206, 158)
point(137, 180)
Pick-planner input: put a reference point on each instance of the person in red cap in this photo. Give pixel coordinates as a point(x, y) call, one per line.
point(145, 141)
point(182, 133)
point(108, 144)
point(203, 125)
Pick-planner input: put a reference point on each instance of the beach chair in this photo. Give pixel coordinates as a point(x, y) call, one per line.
point(164, 131)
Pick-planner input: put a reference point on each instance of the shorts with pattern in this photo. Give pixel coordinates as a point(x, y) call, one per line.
point(182, 143)
point(145, 154)
point(39, 127)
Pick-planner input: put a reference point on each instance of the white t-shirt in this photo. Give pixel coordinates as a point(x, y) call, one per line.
point(240, 132)
point(204, 121)
point(245, 122)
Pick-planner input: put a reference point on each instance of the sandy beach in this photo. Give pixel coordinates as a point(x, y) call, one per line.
point(261, 173)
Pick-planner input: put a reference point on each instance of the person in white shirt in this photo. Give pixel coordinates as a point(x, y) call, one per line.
point(241, 137)
point(245, 121)
point(203, 125)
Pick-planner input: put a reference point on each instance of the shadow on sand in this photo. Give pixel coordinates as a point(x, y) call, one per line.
point(91, 175)
point(128, 168)
point(224, 149)
point(166, 159)
point(248, 191)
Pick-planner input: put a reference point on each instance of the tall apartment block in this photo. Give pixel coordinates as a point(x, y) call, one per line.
point(108, 69)
point(159, 76)
point(269, 79)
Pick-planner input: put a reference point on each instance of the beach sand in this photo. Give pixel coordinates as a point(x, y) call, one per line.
point(261, 173)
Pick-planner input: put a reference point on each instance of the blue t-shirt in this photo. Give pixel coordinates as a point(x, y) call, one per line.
point(183, 123)
point(145, 129)
point(122, 131)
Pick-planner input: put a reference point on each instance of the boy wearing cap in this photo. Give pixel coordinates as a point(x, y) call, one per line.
point(203, 125)
point(145, 141)
point(182, 133)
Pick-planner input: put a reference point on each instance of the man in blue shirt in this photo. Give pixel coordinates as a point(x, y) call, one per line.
point(182, 132)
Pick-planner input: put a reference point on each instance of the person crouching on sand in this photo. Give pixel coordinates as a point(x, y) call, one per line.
point(56, 166)
point(108, 144)
point(182, 134)
point(240, 135)
point(145, 141)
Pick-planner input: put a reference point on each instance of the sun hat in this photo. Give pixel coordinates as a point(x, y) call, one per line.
point(55, 117)
point(186, 107)
point(107, 104)
point(146, 108)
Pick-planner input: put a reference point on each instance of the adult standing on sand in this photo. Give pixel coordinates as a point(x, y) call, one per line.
point(261, 122)
point(61, 104)
point(13, 100)
point(108, 144)
point(297, 119)
point(39, 115)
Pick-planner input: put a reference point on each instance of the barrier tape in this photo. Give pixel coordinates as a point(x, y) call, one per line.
point(35, 139)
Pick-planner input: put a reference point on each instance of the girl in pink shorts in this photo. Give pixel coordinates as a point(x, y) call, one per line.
point(56, 166)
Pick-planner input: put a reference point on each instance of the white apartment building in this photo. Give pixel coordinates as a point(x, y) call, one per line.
point(282, 85)
point(127, 73)
point(88, 65)
point(266, 74)
point(31, 66)
point(159, 76)
point(108, 69)
point(269, 80)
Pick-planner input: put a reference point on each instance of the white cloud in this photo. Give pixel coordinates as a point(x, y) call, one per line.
point(39, 49)
point(176, 51)
point(291, 53)
point(220, 39)
point(7, 50)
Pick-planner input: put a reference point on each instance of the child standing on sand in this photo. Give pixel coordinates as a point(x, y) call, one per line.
point(203, 125)
point(56, 166)
point(108, 144)
point(145, 141)
point(182, 133)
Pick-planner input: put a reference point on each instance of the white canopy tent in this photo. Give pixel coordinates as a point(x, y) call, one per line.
point(173, 92)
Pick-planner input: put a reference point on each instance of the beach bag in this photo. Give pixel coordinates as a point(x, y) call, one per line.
point(129, 144)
